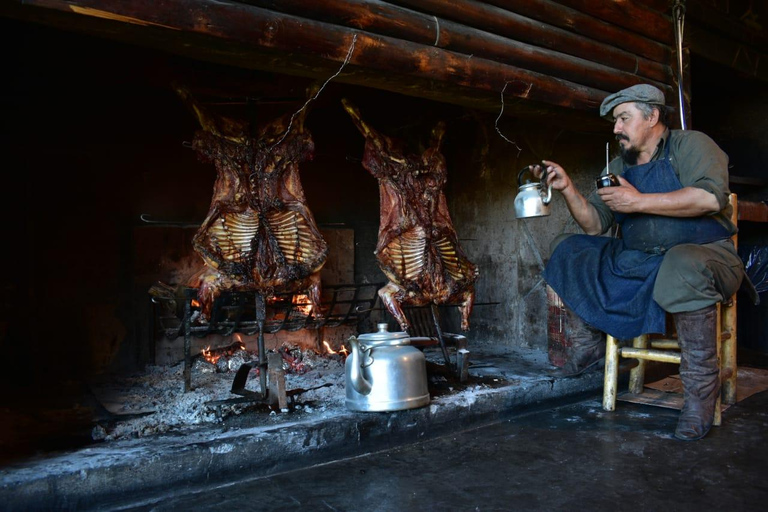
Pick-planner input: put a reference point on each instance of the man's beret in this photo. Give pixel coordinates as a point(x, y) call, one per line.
point(643, 93)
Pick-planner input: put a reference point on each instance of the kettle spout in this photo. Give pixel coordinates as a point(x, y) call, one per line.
point(356, 377)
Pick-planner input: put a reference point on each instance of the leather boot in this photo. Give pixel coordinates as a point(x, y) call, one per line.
point(699, 371)
point(587, 345)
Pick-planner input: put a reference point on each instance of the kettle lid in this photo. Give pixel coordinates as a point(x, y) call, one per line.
point(384, 337)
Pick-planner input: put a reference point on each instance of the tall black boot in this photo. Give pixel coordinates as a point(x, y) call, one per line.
point(587, 345)
point(699, 371)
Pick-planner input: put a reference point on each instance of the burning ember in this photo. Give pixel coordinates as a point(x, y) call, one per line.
point(301, 304)
point(225, 358)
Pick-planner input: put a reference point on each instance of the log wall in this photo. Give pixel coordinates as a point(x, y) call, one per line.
point(565, 54)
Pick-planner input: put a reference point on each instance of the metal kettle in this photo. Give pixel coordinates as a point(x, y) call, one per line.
point(533, 197)
point(385, 373)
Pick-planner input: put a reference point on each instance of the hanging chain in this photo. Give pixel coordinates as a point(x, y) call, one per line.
point(678, 13)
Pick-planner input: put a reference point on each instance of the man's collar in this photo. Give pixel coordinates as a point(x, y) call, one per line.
point(662, 143)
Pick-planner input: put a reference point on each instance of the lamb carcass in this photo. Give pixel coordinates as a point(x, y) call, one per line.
point(259, 235)
point(418, 249)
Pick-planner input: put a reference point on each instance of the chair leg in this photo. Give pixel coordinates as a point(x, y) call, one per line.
point(611, 379)
point(728, 362)
point(718, 419)
point(637, 374)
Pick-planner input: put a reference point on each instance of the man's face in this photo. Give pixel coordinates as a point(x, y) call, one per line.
point(632, 130)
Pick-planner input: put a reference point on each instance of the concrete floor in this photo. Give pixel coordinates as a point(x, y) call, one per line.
point(572, 457)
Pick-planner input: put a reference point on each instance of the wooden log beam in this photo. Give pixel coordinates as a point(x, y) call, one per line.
point(723, 39)
point(566, 18)
point(385, 19)
point(236, 31)
point(727, 25)
point(630, 15)
point(508, 24)
point(753, 211)
point(731, 53)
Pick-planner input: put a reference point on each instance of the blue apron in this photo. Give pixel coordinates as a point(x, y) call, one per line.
point(609, 282)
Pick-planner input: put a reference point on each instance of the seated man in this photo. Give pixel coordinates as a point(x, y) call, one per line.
point(675, 254)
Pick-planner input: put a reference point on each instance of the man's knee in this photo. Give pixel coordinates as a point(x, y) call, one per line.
point(692, 277)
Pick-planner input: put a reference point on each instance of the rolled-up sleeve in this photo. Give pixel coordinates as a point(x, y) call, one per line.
point(701, 164)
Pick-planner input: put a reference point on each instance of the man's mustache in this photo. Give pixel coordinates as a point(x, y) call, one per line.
point(622, 137)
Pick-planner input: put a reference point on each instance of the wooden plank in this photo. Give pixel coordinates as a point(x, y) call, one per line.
point(753, 211)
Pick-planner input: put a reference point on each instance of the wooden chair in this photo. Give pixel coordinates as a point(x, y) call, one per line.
point(645, 349)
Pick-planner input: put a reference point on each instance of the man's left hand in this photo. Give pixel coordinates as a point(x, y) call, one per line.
point(624, 199)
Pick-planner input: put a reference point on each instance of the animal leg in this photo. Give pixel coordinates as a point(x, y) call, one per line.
point(466, 308)
point(388, 295)
point(313, 292)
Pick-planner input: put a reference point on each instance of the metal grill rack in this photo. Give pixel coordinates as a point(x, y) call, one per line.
point(248, 313)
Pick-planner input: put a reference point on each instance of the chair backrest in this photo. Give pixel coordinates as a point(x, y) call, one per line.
point(733, 200)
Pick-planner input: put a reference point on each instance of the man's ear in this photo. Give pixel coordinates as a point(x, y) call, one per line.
point(655, 115)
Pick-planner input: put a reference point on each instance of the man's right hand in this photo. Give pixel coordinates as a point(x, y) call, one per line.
point(583, 212)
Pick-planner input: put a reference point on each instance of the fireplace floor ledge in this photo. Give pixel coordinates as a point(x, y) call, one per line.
point(503, 382)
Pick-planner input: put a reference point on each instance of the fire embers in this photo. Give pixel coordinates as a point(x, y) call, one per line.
point(259, 234)
point(418, 248)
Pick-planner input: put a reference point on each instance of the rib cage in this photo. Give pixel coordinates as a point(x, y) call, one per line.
point(418, 248)
point(294, 236)
point(454, 266)
point(407, 253)
point(259, 234)
point(233, 235)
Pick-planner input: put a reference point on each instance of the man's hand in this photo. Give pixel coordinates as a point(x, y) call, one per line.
point(583, 212)
point(556, 175)
point(624, 199)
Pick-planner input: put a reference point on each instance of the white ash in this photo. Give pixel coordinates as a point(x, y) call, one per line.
point(159, 390)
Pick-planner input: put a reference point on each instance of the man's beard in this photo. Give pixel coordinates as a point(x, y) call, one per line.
point(629, 154)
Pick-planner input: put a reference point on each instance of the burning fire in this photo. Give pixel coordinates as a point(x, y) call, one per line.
point(195, 304)
point(212, 357)
point(301, 304)
point(343, 350)
point(208, 356)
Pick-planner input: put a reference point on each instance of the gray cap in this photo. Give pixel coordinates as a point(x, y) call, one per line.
point(643, 93)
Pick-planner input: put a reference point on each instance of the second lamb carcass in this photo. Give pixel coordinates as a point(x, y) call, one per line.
point(259, 235)
point(418, 248)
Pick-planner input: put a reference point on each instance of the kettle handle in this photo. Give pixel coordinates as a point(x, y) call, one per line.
point(548, 198)
point(520, 174)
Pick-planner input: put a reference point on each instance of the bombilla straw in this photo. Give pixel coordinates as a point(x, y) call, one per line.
point(607, 159)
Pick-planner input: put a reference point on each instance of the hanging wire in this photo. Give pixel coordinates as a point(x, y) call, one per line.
point(678, 13)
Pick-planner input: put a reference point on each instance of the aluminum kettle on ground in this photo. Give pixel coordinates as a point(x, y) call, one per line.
point(533, 197)
point(385, 373)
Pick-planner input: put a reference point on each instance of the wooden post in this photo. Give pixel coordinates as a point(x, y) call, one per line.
point(611, 379)
point(637, 374)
